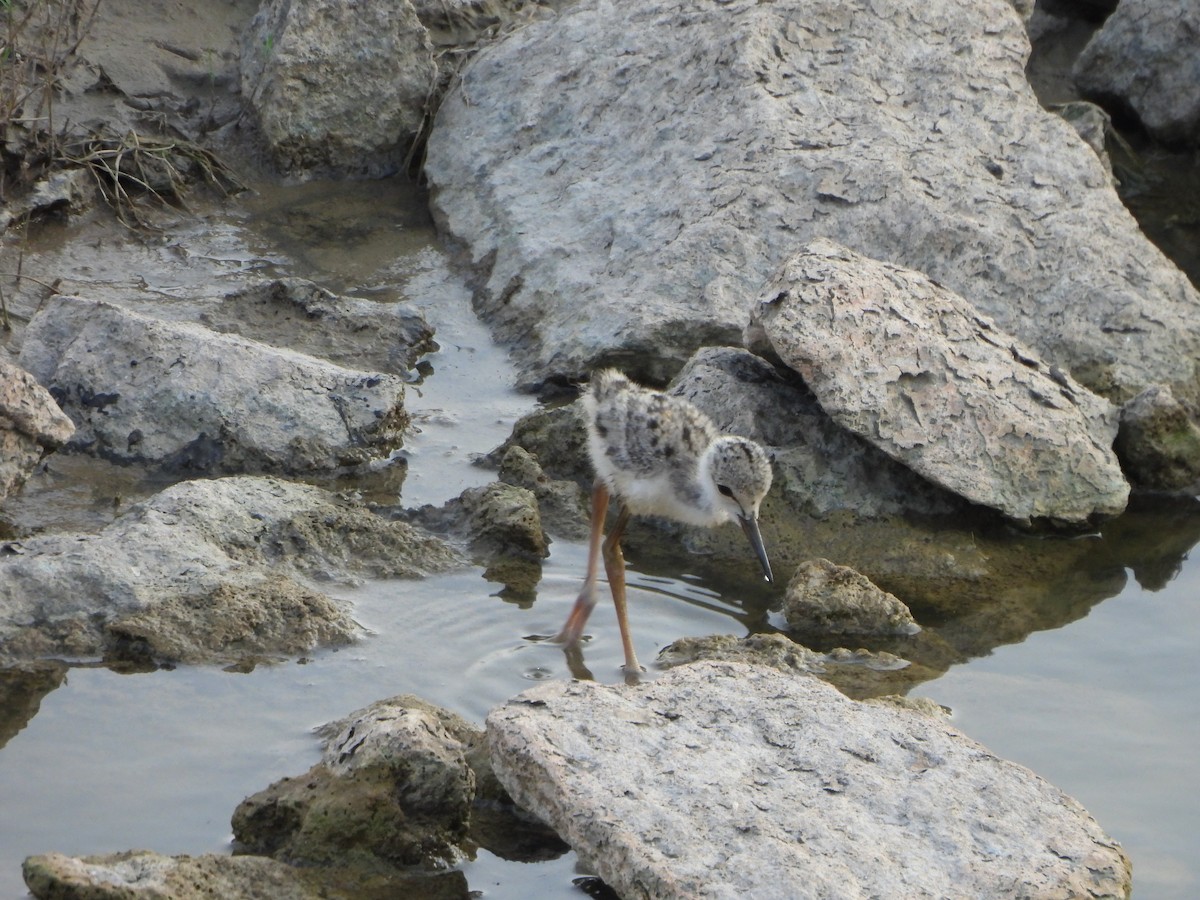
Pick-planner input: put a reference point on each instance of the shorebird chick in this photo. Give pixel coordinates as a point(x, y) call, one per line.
point(660, 456)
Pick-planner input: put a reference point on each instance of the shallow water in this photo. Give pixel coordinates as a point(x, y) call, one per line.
point(1107, 706)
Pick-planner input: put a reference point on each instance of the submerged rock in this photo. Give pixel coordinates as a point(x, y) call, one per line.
point(204, 571)
point(775, 650)
point(181, 397)
point(338, 88)
point(826, 598)
point(747, 129)
point(913, 369)
point(720, 779)
point(1145, 59)
point(856, 673)
point(31, 425)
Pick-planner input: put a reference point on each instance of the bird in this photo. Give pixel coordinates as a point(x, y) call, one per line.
point(658, 455)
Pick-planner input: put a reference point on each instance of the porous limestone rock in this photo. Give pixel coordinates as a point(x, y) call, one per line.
point(912, 368)
point(726, 780)
point(826, 598)
point(181, 397)
point(627, 176)
point(205, 571)
point(338, 87)
point(393, 785)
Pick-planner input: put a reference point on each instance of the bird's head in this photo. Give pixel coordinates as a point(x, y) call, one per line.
point(737, 475)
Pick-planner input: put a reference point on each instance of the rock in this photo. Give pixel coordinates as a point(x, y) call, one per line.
point(1145, 59)
point(826, 598)
point(820, 467)
point(181, 397)
point(205, 571)
point(912, 368)
point(556, 437)
point(460, 23)
point(141, 873)
point(775, 650)
point(294, 312)
point(70, 190)
point(338, 88)
point(31, 425)
point(562, 505)
point(1092, 124)
point(502, 525)
point(726, 780)
point(136, 874)
point(1159, 443)
point(495, 822)
point(923, 705)
point(626, 177)
point(503, 519)
point(856, 673)
point(393, 785)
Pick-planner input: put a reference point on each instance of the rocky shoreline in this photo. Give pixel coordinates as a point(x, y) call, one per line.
point(853, 236)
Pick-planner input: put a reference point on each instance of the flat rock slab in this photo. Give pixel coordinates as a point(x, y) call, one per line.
point(914, 369)
point(727, 780)
point(141, 873)
point(179, 396)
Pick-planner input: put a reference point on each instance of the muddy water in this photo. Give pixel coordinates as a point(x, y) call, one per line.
point(1106, 706)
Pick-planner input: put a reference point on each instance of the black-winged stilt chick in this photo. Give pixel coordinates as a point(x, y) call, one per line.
point(658, 455)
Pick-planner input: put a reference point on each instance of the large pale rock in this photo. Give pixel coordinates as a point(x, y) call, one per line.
point(204, 571)
point(628, 176)
point(726, 780)
point(180, 396)
point(31, 425)
point(1146, 60)
point(912, 368)
point(338, 87)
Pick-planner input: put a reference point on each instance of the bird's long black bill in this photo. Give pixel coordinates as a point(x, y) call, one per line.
point(750, 526)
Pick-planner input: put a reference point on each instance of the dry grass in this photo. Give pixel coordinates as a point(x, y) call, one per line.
point(39, 40)
point(132, 167)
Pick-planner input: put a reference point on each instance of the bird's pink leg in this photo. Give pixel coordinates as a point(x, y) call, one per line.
point(572, 631)
point(614, 567)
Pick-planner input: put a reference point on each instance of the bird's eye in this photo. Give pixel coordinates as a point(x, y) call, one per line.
point(725, 489)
